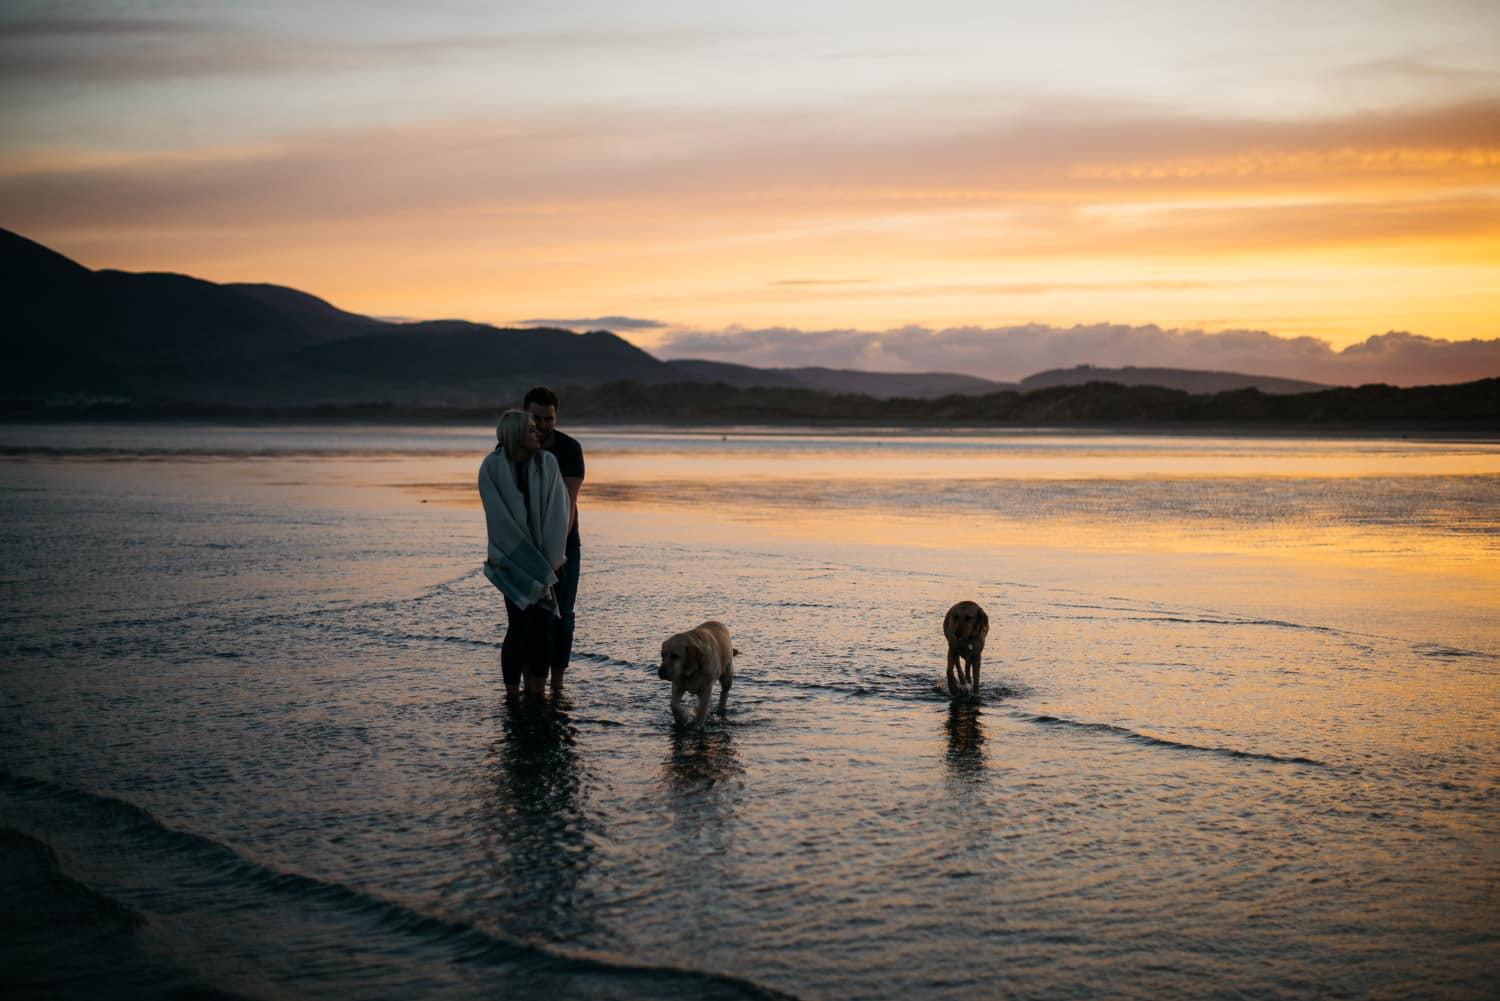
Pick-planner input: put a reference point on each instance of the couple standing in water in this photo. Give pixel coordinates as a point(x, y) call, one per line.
point(529, 485)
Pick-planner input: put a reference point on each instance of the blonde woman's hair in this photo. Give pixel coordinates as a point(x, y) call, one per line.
point(510, 433)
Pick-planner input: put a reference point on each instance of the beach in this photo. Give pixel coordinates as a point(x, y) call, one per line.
point(1234, 738)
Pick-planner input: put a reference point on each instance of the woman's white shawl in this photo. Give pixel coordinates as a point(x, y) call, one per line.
point(527, 541)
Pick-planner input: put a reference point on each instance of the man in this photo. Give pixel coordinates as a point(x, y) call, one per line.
point(541, 404)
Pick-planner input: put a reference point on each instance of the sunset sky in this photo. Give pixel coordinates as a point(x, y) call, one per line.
point(976, 185)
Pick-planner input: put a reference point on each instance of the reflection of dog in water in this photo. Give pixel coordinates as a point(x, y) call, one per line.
point(965, 739)
point(693, 661)
point(966, 626)
point(699, 760)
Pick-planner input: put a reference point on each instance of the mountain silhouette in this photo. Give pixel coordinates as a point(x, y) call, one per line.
point(115, 335)
point(1187, 380)
point(327, 320)
point(115, 343)
point(881, 385)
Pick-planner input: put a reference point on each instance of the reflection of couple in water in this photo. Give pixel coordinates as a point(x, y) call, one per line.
point(529, 486)
point(541, 831)
point(536, 825)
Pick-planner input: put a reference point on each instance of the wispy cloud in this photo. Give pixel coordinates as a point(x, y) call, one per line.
point(868, 289)
point(1437, 74)
point(1031, 184)
point(821, 282)
point(1012, 353)
point(615, 323)
point(49, 48)
point(46, 50)
point(29, 28)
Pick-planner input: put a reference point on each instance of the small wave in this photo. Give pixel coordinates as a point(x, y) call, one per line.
point(597, 721)
point(364, 927)
point(812, 686)
point(1452, 653)
point(916, 686)
point(1176, 745)
point(65, 939)
point(430, 638)
point(605, 660)
point(1094, 607)
point(853, 689)
point(800, 604)
point(36, 884)
point(1205, 620)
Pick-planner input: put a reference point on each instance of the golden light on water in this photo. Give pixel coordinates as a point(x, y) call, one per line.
point(1372, 531)
point(1347, 521)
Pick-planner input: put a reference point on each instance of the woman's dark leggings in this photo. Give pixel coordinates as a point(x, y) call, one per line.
point(528, 642)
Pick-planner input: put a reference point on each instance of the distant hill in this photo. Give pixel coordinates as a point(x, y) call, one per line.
point(80, 335)
point(1473, 405)
point(328, 321)
point(730, 374)
point(453, 362)
point(1187, 380)
point(881, 385)
point(107, 343)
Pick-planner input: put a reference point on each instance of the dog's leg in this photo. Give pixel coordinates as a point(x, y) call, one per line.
point(677, 711)
point(952, 673)
point(974, 673)
point(704, 698)
point(725, 680)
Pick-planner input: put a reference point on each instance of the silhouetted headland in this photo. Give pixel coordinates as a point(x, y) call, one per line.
point(111, 345)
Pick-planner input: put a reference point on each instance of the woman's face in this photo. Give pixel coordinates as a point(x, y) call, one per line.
point(533, 436)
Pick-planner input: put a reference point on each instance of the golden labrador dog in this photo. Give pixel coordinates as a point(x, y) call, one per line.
point(966, 626)
point(693, 661)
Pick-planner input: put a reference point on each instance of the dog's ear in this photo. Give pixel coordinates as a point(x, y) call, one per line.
point(948, 624)
point(984, 623)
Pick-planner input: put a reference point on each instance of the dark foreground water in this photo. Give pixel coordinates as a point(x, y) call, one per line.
point(1237, 736)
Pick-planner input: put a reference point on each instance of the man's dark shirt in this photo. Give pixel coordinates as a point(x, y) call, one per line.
point(569, 455)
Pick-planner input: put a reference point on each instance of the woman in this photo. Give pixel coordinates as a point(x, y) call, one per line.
point(526, 512)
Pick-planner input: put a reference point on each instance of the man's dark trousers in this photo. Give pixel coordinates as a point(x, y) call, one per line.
point(566, 590)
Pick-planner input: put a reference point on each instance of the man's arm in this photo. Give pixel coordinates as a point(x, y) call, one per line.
point(574, 484)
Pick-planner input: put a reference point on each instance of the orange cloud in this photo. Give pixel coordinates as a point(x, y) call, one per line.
point(694, 218)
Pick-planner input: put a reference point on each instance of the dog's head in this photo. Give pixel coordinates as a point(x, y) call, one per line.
point(681, 658)
point(966, 625)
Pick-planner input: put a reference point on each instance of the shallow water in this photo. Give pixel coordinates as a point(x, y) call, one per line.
point(1236, 737)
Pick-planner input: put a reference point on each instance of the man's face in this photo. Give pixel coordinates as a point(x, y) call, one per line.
point(545, 419)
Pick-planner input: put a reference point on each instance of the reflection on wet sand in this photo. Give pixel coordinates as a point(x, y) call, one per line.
point(966, 755)
point(703, 778)
point(699, 761)
point(537, 830)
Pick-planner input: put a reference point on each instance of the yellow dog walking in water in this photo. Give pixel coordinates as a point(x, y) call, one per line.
point(693, 661)
point(966, 625)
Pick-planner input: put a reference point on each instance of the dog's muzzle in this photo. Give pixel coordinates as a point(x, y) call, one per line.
point(661, 672)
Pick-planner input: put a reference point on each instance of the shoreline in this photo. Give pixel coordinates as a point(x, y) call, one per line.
point(1469, 430)
point(1106, 406)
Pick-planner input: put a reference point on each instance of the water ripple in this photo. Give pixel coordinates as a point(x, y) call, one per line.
point(1177, 745)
